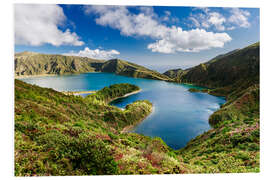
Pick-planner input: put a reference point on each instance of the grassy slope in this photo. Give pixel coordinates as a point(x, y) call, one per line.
point(56, 134)
point(234, 142)
point(174, 73)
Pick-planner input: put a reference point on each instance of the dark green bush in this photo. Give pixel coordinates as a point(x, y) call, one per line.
point(242, 155)
point(84, 153)
point(92, 156)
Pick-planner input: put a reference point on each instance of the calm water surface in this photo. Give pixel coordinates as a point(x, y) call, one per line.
point(178, 115)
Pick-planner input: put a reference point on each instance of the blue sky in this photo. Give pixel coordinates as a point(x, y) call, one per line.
point(160, 38)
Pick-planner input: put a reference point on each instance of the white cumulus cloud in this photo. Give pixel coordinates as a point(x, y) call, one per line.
point(167, 39)
point(209, 18)
point(189, 41)
point(217, 20)
point(239, 17)
point(38, 24)
point(95, 53)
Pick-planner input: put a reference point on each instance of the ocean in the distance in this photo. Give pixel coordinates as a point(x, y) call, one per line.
point(178, 116)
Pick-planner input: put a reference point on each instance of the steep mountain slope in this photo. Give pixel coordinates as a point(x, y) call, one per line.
point(125, 68)
point(225, 70)
point(174, 73)
point(221, 56)
point(29, 63)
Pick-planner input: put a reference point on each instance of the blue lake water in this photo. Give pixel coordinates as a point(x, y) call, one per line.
point(178, 115)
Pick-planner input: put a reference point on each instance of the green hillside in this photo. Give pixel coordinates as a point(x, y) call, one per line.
point(30, 63)
point(226, 71)
point(174, 73)
point(233, 144)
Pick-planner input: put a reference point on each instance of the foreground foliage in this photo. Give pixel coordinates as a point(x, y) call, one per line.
point(56, 134)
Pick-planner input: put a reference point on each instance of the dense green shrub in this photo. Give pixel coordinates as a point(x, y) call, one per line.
point(92, 156)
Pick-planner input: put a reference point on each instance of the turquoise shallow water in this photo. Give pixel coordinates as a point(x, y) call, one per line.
point(178, 115)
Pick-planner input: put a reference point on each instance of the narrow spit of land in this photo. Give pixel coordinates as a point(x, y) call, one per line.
point(126, 95)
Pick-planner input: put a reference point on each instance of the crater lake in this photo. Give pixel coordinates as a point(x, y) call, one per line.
point(177, 117)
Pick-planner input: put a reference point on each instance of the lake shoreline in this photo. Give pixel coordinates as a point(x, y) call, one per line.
point(128, 128)
point(126, 95)
point(38, 75)
point(77, 92)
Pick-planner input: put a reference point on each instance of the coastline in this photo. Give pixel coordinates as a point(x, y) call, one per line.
point(44, 75)
point(38, 75)
point(129, 94)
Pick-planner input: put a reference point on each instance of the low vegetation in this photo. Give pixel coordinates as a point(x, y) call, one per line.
point(58, 134)
point(233, 144)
